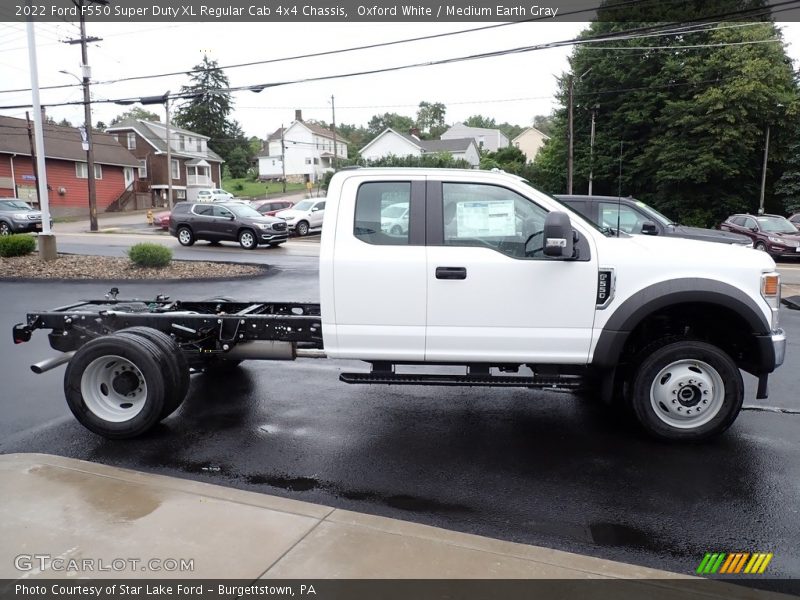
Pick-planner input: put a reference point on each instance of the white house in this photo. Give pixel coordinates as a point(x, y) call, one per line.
point(393, 143)
point(308, 152)
point(530, 142)
point(489, 140)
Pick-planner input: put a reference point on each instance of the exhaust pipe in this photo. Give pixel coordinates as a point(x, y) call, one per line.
point(261, 350)
point(49, 364)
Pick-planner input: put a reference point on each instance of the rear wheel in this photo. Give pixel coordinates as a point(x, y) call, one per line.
point(4, 228)
point(185, 236)
point(687, 391)
point(114, 386)
point(247, 239)
point(301, 228)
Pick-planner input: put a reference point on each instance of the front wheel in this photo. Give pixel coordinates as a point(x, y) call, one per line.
point(247, 239)
point(4, 228)
point(301, 228)
point(185, 236)
point(687, 391)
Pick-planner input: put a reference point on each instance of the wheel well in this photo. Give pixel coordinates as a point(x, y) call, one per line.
point(712, 323)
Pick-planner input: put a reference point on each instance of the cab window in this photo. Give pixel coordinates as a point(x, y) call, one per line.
point(630, 220)
point(382, 213)
point(492, 216)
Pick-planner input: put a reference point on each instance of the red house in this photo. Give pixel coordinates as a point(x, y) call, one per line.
point(65, 163)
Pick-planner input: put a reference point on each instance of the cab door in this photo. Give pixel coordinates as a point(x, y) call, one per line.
point(492, 294)
point(378, 281)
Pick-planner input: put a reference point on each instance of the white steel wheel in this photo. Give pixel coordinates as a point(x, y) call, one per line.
point(687, 394)
point(113, 389)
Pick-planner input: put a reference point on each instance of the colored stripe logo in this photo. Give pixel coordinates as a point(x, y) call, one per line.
point(734, 563)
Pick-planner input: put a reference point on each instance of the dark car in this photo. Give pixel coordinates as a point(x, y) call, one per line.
point(219, 222)
point(17, 216)
point(771, 233)
point(795, 219)
point(270, 207)
point(634, 216)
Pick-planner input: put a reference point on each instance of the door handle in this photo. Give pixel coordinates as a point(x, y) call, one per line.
point(451, 273)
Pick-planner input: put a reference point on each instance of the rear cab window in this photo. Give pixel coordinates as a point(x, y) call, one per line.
point(381, 215)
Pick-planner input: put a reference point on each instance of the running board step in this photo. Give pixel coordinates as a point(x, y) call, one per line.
point(537, 381)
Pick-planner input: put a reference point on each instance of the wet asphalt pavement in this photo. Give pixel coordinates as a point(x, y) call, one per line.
point(548, 469)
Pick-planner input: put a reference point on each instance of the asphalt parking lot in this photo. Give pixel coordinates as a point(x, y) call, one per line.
point(542, 468)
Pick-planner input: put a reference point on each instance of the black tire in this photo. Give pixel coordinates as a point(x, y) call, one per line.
point(760, 246)
point(396, 230)
point(185, 236)
point(174, 361)
point(5, 228)
point(301, 228)
point(677, 381)
point(248, 239)
point(98, 356)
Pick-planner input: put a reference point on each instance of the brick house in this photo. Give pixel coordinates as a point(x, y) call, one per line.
point(65, 162)
point(194, 165)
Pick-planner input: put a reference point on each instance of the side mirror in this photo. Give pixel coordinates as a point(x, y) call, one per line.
point(558, 236)
point(754, 229)
point(649, 228)
point(315, 209)
point(231, 217)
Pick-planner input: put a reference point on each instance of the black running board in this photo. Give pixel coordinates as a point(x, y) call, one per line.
point(537, 381)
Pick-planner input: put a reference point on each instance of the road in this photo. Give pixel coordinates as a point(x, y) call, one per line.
point(540, 468)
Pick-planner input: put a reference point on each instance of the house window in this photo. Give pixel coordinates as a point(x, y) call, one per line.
point(308, 161)
point(143, 169)
point(176, 169)
point(180, 194)
point(198, 145)
point(82, 171)
point(131, 141)
point(182, 141)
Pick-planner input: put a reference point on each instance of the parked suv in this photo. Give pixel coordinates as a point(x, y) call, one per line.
point(17, 216)
point(634, 216)
point(770, 233)
point(271, 207)
point(218, 222)
point(304, 215)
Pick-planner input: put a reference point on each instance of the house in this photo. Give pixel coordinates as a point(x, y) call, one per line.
point(488, 140)
point(530, 142)
point(194, 166)
point(65, 162)
point(307, 152)
point(393, 143)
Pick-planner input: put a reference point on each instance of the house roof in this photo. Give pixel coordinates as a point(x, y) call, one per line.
point(475, 130)
point(457, 145)
point(544, 135)
point(63, 143)
point(312, 127)
point(155, 133)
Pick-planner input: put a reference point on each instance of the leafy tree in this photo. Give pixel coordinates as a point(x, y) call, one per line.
point(481, 121)
point(543, 123)
point(687, 123)
point(400, 123)
point(136, 113)
point(787, 188)
point(430, 117)
point(439, 160)
point(238, 162)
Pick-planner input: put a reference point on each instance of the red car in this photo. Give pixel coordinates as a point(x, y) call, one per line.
point(771, 233)
point(270, 207)
point(161, 220)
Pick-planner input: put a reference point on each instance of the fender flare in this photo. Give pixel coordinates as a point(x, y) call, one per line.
point(661, 295)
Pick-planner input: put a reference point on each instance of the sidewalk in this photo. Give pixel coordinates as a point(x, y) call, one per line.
point(69, 508)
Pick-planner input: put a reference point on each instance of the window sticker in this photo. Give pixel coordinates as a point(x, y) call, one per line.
point(485, 219)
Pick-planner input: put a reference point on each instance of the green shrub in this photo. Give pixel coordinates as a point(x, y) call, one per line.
point(150, 255)
point(238, 187)
point(18, 244)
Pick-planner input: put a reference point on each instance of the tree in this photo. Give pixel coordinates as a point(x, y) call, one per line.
point(684, 115)
point(481, 121)
point(430, 118)
point(544, 123)
point(136, 113)
point(378, 123)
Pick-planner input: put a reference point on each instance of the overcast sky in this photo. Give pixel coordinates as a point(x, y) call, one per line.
point(511, 88)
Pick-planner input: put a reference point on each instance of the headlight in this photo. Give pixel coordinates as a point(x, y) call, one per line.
point(771, 292)
point(21, 216)
point(782, 242)
point(264, 225)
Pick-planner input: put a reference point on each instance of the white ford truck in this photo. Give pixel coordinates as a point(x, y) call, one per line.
point(490, 275)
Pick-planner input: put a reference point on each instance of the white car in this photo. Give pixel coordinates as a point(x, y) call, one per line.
point(394, 219)
point(214, 195)
point(304, 216)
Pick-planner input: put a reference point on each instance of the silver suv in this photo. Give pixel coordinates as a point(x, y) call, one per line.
point(17, 216)
point(219, 222)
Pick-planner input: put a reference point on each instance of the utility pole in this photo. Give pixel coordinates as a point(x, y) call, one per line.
point(591, 152)
point(87, 108)
point(335, 154)
point(169, 154)
point(33, 160)
point(764, 174)
point(570, 135)
point(283, 161)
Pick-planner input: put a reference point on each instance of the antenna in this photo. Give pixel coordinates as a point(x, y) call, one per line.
point(619, 187)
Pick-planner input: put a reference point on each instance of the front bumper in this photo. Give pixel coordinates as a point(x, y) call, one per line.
point(271, 237)
point(779, 346)
point(782, 251)
point(25, 226)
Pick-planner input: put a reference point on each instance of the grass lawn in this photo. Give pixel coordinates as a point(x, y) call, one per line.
point(257, 189)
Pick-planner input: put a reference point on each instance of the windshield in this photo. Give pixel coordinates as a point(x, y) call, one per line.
point(652, 212)
point(776, 225)
point(15, 205)
point(243, 210)
point(394, 212)
point(303, 205)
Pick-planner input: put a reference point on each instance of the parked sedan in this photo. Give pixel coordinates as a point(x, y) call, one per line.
point(634, 216)
point(217, 222)
point(304, 215)
point(17, 216)
point(770, 233)
point(161, 220)
point(272, 207)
